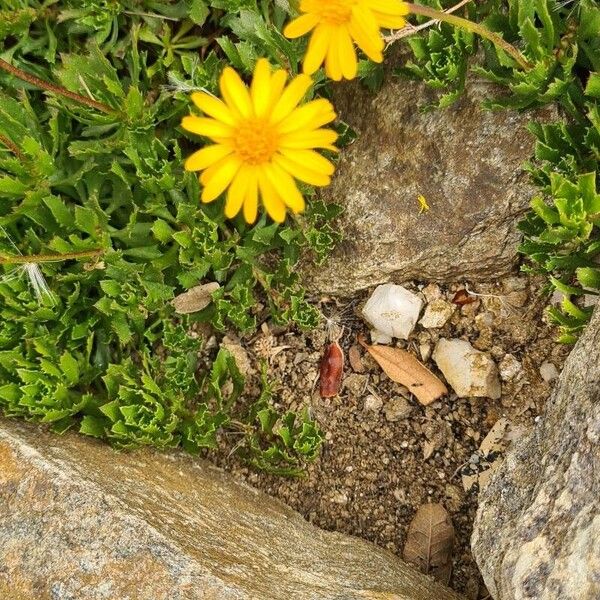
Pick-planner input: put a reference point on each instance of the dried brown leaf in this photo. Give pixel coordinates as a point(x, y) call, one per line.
point(429, 542)
point(355, 359)
point(463, 297)
point(195, 299)
point(404, 368)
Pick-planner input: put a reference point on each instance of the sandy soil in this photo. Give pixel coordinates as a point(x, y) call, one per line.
point(385, 454)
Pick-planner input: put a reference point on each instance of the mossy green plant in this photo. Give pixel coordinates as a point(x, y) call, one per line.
point(93, 196)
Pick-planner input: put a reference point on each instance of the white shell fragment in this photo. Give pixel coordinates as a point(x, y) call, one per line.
point(469, 372)
point(393, 310)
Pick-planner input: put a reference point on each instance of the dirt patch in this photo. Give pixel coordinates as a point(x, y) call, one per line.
point(385, 454)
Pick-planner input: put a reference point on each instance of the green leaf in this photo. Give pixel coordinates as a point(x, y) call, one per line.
point(589, 277)
point(93, 426)
point(70, 368)
point(592, 87)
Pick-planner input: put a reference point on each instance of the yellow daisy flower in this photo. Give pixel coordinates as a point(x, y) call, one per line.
point(263, 142)
point(336, 24)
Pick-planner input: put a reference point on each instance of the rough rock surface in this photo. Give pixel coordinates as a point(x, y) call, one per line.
point(538, 524)
point(81, 521)
point(464, 160)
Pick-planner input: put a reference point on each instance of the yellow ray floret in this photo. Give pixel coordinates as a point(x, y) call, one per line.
point(337, 25)
point(264, 139)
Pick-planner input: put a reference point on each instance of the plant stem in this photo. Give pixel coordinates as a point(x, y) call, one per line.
point(432, 13)
point(43, 258)
point(410, 29)
point(50, 87)
point(12, 147)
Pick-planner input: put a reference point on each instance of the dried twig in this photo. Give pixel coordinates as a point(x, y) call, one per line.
point(50, 87)
point(12, 147)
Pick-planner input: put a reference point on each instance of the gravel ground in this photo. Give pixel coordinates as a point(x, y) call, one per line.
point(385, 454)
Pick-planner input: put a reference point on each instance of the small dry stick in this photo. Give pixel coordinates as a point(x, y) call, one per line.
point(412, 29)
point(50, 87)
point(43, 258)
point(12, 147)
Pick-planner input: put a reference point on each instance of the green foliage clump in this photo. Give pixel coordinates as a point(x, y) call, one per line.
point(104, 350)
point(561, 41)
point(441, 57)
point(276, 442)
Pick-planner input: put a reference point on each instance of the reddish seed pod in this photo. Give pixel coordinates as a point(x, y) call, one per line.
point(463, 297)
point(332, 368)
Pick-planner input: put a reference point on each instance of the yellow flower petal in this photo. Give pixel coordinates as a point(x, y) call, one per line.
point(368, 41)
point(260, 88)
point(270, 198)
point(301, 172)
point(311, 115)
point(317, 49)
point(303, 140)
point(206, 157)
point(286, 187)
point(237, 192)
point(301, 26)
point(347, 54)
point(389, 21)
point(388, 7)
point(290, 97)
point(277, 85)
point(220, 178)
point(235, 92)
point(207, 127)
point(365, 17)
point(213, 107)
point(333, 67)
point(251, 199)
point(310, 159)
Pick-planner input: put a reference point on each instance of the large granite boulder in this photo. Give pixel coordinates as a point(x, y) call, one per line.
point(537, 532)
point(79, 521)
point(465, 161)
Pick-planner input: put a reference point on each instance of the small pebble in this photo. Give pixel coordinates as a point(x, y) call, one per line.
point(509, 367)
point(397, 408)
point(548, 372)
point(373, 403)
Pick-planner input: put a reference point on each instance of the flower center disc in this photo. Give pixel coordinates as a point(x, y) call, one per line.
point(333, 12)
point(255, 141)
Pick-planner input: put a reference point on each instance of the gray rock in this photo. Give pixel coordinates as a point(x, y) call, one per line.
point(538, 523)
point(464, 160)
point(81, 521)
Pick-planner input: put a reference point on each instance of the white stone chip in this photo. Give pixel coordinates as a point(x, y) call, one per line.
point(393, 310)
point(469, 372)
